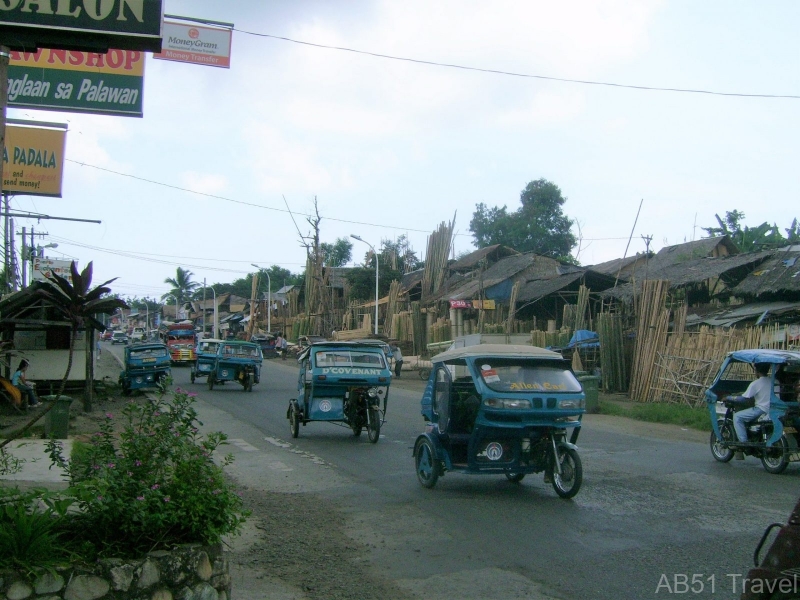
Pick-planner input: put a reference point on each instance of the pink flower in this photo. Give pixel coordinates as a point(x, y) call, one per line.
point(96, 467)
point(111, 465)
point(192, 395)
point(109, 416)
point(156, 414)
point(155, 486)
point(100, 498)
point(140, 498)
point(138, 463)
point(166, 498)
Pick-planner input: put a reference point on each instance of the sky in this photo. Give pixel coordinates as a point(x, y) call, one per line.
point(224, 168)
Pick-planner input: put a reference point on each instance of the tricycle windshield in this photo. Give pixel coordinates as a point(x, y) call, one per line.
point(243, 351)
point(350, 358)
point(208, 347)
point(140, 353)
point(525, 375)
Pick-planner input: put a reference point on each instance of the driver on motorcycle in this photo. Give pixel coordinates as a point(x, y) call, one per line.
point(760, 390)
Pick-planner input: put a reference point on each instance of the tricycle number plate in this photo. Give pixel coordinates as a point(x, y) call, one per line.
point(148, 360)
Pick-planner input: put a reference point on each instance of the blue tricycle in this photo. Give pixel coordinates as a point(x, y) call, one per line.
point(502, 409)
point(236, 361)
point(147, 365)
point(342, 382)
point(206, 357)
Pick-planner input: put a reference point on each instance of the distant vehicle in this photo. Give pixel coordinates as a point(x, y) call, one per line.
point(236, 361)
point(146, 366)
point(119, 337)
point(181, 341)
point(266, 342)
point(138, 334)
point(106, 335)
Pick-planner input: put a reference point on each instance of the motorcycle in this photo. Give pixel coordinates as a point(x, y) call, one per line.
point(773, 438)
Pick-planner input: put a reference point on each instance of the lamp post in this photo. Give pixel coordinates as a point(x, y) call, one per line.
point(269, 297)
point(356, 237)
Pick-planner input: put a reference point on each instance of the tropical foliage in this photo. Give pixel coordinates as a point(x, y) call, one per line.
point(749, 239)
point(182, 286)
point(539, 225)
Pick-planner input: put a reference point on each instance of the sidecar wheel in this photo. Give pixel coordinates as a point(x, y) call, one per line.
point(374, 425)
point(424, 373)
point(294, 423)
point(775, 458)
point(126, 390)
point(569, 482)
point(211, 380)
point(426, 463)
point(718, 449)
point(191, 376)
point(248, 383)
point(515, 477)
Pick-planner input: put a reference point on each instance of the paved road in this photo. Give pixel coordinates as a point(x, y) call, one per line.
point(654, 508)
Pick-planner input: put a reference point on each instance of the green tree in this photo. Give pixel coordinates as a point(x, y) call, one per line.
point(337, 254)
point(751, 239)
point(182, 285)
point(79, 304)
point(362, 279)
point(539, 225)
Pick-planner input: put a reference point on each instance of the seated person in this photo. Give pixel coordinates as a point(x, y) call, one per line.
point(760, 390)
point(24, 386)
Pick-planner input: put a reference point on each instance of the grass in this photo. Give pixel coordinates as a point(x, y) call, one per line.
point(671, 414)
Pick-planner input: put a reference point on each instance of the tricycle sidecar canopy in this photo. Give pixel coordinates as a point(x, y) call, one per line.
point(508, 350)
point(765, 356)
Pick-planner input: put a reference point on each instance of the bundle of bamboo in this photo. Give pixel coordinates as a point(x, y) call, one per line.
point(438, 252)
point(612, 352)
point(651, 325)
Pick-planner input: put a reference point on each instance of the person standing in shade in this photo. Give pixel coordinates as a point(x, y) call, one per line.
point(398, 360)
point(284, 347)
point(278, 342)
point(23, 385)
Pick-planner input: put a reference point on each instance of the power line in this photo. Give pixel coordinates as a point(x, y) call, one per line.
point(515, 74)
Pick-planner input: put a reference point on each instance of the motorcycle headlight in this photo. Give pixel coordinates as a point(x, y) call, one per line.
point(138, 380)
point(572, 404)
point(372, 392)
point(515, 403)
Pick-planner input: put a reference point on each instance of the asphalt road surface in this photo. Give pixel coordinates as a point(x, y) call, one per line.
point(656, 517)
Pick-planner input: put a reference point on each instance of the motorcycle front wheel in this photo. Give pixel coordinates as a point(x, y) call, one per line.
point(718, 448)
point(775, 458)
point(569, 482)
point(374, 425)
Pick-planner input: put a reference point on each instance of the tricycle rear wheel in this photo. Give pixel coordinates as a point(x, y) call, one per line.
point(718, 448)
point(569, 482)
point(515, 477)
point(775, 458)
point(248, 382)
point(191, 376)
point(211, 380)
point(426, 464)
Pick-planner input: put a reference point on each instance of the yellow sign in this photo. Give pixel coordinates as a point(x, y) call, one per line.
point(485, 305)
point(33, 161)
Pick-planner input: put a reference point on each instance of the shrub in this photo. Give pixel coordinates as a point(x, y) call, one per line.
point(154, 485)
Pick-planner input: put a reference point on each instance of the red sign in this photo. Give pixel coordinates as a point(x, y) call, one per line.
point(460, 304)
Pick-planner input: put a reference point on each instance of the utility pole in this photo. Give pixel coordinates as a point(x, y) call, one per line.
point(24, 261)
point(5, 54)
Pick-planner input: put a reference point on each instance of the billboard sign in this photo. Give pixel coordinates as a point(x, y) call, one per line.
point(68, 80)
point(198, 45)
point(91, 25)
point(44, 267)
point(33, 160)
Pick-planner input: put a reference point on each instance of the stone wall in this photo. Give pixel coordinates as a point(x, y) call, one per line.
point(190, 572)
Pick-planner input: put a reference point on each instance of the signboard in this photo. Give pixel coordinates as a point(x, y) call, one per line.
point(460, 304)
point(43, 267)
point(91, 25)
point(68, 80)
point(199, 45)
point(33, 161)
point(483, 305)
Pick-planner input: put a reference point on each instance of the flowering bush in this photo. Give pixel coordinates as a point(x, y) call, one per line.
point(152, 486)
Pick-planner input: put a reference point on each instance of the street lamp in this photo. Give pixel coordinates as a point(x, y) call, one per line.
point(356, 237)
point(269, 297)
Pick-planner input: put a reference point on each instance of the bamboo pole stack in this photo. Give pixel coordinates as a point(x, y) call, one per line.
point(391, 308)
point(512, 306)
point(580, 310)
point(651, 325)
point(612, 352)
point(436, 257)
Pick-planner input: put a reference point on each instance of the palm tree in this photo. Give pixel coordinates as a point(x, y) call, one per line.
point(78, 303)
point(182, 286)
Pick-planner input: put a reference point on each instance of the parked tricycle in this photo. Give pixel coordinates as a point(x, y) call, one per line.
point(147, 365)
point(502, 409)
point(206, 356)
point(342, 382)
point(773, 437)
point(236, 361)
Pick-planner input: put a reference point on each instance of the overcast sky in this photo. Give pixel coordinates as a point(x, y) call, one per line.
point(392, 148)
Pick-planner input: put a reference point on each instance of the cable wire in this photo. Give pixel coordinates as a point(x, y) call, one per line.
point(515, 74)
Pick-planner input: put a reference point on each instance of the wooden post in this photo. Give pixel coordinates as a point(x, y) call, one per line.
point(88, 392)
